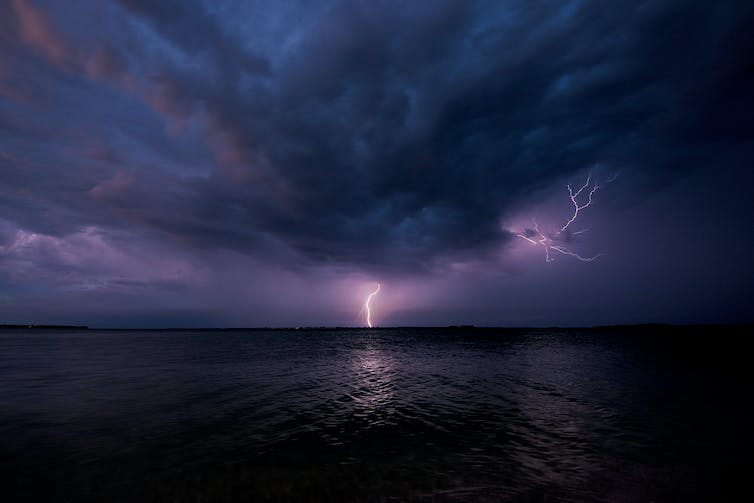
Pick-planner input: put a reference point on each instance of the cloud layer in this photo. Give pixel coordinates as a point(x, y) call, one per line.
point(376, 138)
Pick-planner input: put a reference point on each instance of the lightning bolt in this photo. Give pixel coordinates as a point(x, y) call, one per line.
point(540, 241)
point(578, 207)
point(366, 305)
point(538, 238)
point(566, 251)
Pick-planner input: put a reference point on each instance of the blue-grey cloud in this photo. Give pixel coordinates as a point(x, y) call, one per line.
point(379, 136)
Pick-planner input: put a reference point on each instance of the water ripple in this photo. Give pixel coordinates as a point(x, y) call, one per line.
point(373, 416)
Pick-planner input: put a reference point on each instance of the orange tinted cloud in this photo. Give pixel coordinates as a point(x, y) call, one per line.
point(37, 31)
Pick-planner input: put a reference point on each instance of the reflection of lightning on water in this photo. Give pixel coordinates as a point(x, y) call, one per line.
point(539, 238)
point(366, 306)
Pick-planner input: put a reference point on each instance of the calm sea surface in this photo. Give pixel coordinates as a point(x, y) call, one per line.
point(374, 415)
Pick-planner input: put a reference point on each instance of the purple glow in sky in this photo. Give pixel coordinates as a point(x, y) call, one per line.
point(263, 163)
point(556, 240)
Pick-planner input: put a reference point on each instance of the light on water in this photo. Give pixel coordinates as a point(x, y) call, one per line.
point(353, 415)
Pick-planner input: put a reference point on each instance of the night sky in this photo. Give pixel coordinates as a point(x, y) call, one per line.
point(267, 163)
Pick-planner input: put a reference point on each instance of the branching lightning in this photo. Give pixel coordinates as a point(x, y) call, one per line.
point(578, 207)
point(566, 251)
point(540, 239)
point(366, 306)
point(551, 241)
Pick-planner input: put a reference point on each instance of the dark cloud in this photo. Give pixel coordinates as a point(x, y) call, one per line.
point(379, 136)
point(191, 26)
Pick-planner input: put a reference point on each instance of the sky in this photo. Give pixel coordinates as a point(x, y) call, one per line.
point(268, 163)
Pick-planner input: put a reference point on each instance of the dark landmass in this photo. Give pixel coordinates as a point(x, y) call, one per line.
point(44, 327)
point(643, 327)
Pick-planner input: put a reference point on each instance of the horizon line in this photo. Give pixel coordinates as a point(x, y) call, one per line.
point(35, 326)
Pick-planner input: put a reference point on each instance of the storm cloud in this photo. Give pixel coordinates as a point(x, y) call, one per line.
point(376, 138)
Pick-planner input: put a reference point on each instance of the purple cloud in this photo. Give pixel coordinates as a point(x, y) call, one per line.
point(148, 149)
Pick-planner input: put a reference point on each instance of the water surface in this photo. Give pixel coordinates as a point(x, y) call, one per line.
point(373, 415)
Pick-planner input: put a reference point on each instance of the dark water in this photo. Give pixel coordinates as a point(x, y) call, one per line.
point(382, 415)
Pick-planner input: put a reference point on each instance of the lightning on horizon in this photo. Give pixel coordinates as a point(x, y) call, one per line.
point(366, 306)
point(546, 240)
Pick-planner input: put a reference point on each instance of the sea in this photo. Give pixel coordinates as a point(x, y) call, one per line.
point(618, 414)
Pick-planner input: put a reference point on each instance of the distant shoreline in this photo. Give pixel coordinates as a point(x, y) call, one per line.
point(617, 327)
point(44, 327)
